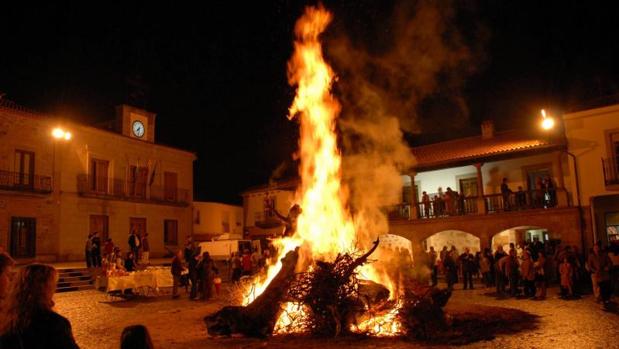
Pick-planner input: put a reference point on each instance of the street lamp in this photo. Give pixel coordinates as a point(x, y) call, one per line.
point(548, 123)
point(58, 134)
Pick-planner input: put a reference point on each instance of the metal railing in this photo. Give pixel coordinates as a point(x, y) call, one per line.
point(459, 206)
point(119, 189)
point(609, 166)
point(493, 203)
point(521, 200)
point(18, 181)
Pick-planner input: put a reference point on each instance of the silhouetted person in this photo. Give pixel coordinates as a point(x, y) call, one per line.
point(136, 337)
point(28, 321)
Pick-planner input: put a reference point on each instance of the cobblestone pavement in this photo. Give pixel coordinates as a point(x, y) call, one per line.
point(98, 321)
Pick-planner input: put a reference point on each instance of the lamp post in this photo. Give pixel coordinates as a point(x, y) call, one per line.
point(58, 134)
point(547, 123)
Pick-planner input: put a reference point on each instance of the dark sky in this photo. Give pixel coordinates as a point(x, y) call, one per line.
point(215, 72)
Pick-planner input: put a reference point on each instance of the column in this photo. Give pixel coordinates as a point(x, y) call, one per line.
point(414, 209)
point(481, 201)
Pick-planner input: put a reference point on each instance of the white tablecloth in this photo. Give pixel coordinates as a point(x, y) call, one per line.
point(155, 277)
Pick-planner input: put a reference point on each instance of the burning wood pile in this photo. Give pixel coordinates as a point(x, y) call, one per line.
point(320, 286)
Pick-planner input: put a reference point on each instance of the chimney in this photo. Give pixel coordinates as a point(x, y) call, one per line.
point(487, 129)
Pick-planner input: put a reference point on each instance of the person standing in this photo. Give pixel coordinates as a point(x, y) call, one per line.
point(432, 257)
point(505, 193)
point(246, 262)
point(108, 250)
point(177, 270)
point(425, 200)
point(29, 320)
point(237, 267)
point(451, 270)
point(540, 275)
point(467, 261)
point(88, 250)
point(145, 250)
point(566, 272)
point(191, 258)
point(134, 243)
point(96, 250)
point(527, 271)
point(484, 267)
point(206, 271)
point(599, 265)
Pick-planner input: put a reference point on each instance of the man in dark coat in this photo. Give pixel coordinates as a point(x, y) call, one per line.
point(96, 250)
point(467, 262)
point(206, 272)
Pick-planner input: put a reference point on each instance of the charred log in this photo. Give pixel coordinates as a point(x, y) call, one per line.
point(259, 317)
point(422, 312)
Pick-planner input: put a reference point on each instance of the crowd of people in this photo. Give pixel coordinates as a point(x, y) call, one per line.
point(110, 257)
point(451, 203)
point(27, 317)
point(525, 271)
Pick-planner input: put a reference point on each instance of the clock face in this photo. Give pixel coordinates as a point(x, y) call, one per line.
point(138, 129)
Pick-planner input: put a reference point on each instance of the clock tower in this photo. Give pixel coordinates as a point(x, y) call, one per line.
point(136, 123)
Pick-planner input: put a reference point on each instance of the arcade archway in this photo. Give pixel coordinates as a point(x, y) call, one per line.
point(519, 236)
point(458, 238)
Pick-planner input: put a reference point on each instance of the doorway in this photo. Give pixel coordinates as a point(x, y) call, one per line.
point(99, 224)
point(137, 225)
point(23, 237)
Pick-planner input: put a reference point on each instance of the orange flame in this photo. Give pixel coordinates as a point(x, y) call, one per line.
point(325, 227)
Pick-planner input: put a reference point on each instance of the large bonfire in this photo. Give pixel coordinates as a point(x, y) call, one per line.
point(322, 282)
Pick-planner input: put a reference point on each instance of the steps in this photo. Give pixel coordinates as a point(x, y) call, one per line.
point(74, 279)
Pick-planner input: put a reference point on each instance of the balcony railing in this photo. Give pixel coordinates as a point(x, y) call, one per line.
point(493, 203)
point(120, 189)
point(609, 166)
point(17, 181)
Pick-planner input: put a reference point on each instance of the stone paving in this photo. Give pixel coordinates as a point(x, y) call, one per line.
point(98, 321)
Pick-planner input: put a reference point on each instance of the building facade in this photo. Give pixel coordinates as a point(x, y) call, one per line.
point(214, 220)
point(60, 181)
point(260, 204)
point(593, 140)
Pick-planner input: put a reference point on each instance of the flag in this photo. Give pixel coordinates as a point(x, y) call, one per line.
point(152, 175)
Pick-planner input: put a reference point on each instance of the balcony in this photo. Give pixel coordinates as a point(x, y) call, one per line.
point(488, 204)
point(120, 189)
point(16, 181)
point(609, 166)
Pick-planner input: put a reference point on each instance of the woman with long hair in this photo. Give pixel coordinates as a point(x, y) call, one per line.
point(29, 320)
point(136, 337)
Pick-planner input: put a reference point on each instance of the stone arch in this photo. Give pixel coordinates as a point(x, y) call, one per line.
point(392, 242)
point(458, 238)
point(519, 235)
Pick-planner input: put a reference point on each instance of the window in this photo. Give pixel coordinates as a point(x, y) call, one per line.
point(612, 226)
point(170, 232)
point(170, 185)
point(468, 187)
point(137, 181)
point(99, 224)
point(614, 148)
point(23, 237)
point(269, 207)
point(98, 175)
point(24, 168)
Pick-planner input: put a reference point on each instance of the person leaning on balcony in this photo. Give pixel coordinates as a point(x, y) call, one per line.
point(505, 192)
point(425, 200)
point(521, 198)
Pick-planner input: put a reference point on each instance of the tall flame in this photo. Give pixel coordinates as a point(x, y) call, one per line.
point(324, 224)
point(325, 227)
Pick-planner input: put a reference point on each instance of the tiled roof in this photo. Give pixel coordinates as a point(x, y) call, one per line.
point(476, 148)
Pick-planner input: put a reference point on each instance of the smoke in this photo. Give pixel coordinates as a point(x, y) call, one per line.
point(382, 86)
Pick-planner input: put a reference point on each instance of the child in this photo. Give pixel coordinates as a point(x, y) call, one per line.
point(567, 272)
point(217, 282)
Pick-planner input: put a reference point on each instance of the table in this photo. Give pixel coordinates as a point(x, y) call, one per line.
point(153, 278)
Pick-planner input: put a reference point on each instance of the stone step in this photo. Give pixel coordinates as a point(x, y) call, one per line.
point(75, 288)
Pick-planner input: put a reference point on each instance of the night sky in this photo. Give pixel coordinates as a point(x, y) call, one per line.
point(215, 73)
